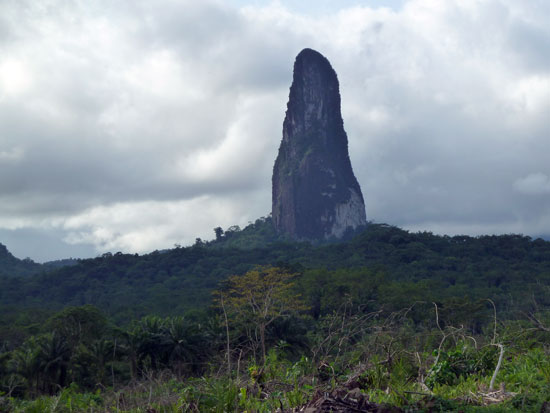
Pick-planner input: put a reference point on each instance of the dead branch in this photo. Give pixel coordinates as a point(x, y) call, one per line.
point(497, 368)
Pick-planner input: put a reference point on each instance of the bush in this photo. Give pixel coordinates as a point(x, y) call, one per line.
point(461, 361)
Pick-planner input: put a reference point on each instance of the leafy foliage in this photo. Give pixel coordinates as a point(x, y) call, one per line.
point(129, 333)
point(259, 298)
point(383, 264)
point(461, 362)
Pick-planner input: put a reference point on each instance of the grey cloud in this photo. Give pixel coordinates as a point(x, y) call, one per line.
point(129, 157)
point(31, 242)
point(145, 110)
point(448, 151)
point(530, 44)
point(197, 30)
point(533, 184)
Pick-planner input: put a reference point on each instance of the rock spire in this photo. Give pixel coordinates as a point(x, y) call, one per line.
point(315, 193)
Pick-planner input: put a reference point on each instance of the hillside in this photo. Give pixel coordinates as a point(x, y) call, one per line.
point(406, 265)
point(394, 320)
point(12, 266)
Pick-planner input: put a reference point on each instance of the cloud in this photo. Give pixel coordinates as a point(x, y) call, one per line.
point(135, 125)
point(14, 77)
point(149, 225)
point(533, 184)
point(11, 155)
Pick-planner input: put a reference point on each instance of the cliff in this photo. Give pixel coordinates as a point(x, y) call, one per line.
point(315, 194)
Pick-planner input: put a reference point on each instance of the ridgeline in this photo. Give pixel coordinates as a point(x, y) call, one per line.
point(406, 266)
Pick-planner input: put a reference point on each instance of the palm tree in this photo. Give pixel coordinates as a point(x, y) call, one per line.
point(54, 355)
point(131, 347)
point(142, 341)
point(26, 363)
point(152, 332)
point(180, 344)
point(101, 352)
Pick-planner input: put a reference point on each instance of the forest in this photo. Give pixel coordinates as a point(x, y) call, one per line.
point(387, 320)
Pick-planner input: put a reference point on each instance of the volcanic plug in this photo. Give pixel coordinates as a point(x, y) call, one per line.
point(315, 194)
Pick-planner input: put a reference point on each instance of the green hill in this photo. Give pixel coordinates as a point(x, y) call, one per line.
point(420, 265)
point(409, 321)
point(11, 266)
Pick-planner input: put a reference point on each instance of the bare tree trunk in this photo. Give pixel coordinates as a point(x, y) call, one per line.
point(497, 368)
point(227, 337)
point(239, 364)
point(494, 343)
point(262, 342)
point(113, 364)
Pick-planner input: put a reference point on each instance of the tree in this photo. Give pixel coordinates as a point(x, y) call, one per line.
point(219, 233)
point(258, 298)
point(26, 363)
point(181, 343)
point(151, 333)
point(132, 340)
point(101, 352)
point(78, 324)
point(54, 357)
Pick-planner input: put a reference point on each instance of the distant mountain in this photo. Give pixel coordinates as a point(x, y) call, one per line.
point(11, 266)
point(54, 265)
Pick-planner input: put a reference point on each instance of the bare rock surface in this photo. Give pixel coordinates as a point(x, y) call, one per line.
point(315, 193)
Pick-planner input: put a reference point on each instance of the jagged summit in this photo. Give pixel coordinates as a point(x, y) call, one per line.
point(315, 193)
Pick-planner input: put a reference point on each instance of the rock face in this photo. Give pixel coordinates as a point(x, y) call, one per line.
point(315, 193)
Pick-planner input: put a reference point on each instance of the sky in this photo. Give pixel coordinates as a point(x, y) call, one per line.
point(136, 125)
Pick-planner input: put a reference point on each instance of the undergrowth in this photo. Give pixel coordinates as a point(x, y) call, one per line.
point(282, 385)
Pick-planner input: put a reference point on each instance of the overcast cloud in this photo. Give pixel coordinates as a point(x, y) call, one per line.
point(134, 125)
